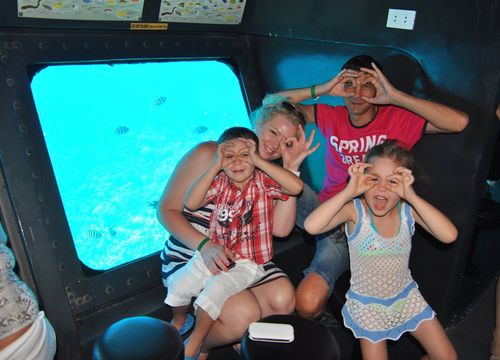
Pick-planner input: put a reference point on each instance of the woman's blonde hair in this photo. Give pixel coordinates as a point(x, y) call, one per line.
point(274, 105)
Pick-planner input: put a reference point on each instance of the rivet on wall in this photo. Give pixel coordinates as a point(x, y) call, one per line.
point(42, 45)
point(87, 46)
point(11, 82)
point(66, 46)
point(79, 301)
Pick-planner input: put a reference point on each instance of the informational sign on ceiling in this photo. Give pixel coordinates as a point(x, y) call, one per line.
point(107, 10)
point(200, 12)
point(204, 11)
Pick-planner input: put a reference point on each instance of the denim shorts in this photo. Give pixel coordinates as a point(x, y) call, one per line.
point(331, 258)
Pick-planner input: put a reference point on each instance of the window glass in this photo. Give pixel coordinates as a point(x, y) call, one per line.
point(115, 132)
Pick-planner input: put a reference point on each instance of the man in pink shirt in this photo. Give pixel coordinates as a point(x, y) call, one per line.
point(374, 111)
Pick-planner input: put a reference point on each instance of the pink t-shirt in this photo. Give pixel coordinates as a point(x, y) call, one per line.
point(347, 144)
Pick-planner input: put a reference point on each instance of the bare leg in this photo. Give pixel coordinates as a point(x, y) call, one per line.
point(275, 297)
point(179, 316)
point(237, 313)
point(432, 337)
point(203, 325)
point(495, 343)
point(311, 296)
point(375, 351)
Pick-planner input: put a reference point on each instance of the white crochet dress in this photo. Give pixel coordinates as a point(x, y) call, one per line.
point(384, 301)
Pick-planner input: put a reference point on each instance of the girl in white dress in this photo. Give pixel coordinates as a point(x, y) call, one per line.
point(379, 208)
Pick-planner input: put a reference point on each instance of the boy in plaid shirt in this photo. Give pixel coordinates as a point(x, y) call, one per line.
point(243, 193)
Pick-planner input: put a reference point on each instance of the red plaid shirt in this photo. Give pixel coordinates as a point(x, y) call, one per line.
point(243, 220)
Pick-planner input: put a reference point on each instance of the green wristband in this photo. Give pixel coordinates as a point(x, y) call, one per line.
point(203, 242)
point(313, 92)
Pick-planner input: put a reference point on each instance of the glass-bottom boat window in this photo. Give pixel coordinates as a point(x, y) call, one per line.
point(115, 132)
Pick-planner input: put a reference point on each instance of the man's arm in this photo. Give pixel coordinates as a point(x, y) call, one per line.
point(441, 118)
point(333, 87)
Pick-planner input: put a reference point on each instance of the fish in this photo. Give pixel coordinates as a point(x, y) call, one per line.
point(160, 100)
point(112, 231)
point(121, 13)
point(121, 130)
point(200, 129)
point(94, 233)
point(153, 204)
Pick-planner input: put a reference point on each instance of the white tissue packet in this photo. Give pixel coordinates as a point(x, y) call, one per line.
point(271, 332)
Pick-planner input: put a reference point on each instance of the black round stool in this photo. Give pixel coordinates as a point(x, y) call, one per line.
point(311, 341)
point(139, 338)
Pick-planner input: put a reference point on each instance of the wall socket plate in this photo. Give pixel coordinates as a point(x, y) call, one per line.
point(401, 19)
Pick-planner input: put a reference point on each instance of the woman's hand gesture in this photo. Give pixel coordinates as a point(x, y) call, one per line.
point(293, 151)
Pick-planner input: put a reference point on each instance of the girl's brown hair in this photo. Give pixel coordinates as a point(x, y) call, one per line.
point(392, 149)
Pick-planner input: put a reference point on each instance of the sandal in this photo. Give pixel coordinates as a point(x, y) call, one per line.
point(203, 355)
point(187, 326)
point(237, 348)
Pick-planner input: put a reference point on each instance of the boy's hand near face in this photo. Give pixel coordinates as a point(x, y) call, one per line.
point(253, 156)
point(222, 158)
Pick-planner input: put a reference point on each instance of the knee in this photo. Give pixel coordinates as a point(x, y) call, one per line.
point(283, 301)
point(237, 321)
point(310, 300)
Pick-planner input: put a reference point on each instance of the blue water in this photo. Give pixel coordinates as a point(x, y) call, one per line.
point(114, 134)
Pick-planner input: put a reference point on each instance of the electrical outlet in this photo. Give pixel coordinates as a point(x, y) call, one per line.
point(401, 19)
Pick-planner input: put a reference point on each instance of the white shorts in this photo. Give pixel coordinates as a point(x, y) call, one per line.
point(212, 291)
point(38, 343)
